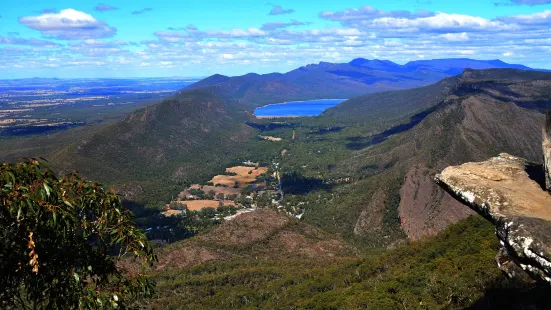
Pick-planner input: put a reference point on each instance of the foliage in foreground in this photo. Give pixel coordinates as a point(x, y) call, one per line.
point(61, 240)
point(452, 270)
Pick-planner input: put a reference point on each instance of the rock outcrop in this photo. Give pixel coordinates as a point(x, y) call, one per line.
point(547, 150)
point(509, 191)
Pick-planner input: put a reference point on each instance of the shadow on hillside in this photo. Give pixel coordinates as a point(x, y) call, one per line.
point(157, 227)
point(36, 130)
point(509, 298)
point(297, 184)
point(359, 142)
point(267, 127)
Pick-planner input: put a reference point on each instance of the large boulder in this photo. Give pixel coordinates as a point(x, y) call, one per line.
point(509, 191)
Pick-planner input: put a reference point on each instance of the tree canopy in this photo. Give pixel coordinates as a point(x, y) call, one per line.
point(62, 241)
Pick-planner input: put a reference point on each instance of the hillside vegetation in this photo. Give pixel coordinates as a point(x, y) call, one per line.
point(450, 271)
point(153, 152)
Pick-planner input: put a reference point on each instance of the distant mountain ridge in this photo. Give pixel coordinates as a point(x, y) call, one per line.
point(343, 80)
point(452, 66)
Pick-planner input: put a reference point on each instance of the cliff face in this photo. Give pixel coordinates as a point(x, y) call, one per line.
point(547, 150)
point(509, 192)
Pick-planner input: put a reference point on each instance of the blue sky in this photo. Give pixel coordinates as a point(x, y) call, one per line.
point(198, 38)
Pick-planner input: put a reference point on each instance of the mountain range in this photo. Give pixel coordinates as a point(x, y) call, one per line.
point(342, 80)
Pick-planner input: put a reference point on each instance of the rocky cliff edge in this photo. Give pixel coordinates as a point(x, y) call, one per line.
point(510, 192)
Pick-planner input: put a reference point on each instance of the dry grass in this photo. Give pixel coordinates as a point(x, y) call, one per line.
point(259, 234)
point(195, 205)
point(243, 178)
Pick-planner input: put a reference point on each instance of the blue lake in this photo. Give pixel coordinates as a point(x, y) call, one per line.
point(297, 108)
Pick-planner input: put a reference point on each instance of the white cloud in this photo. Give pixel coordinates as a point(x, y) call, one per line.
point(539, 18)
point(278, 10)
point(98, 43)
point(279, 25)
point(237, 33)
point(69, 24)
point(441, 23)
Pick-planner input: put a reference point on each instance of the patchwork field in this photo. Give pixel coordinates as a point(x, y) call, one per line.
point(242, 177)
point(194, 205)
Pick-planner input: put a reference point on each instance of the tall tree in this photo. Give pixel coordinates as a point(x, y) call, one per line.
point(63, 241)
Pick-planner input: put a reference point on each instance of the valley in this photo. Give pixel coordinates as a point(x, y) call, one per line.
point(380, 147)
point(225, 193)
point(245, 154)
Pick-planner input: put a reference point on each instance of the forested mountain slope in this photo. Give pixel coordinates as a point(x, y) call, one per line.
point(183, 139)
point(454, 270)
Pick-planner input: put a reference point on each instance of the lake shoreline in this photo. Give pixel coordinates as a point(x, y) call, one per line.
point(290, 116)
point(294, 109)
point(288, 102)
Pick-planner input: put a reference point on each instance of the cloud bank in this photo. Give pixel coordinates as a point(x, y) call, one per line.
point(365, 31)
